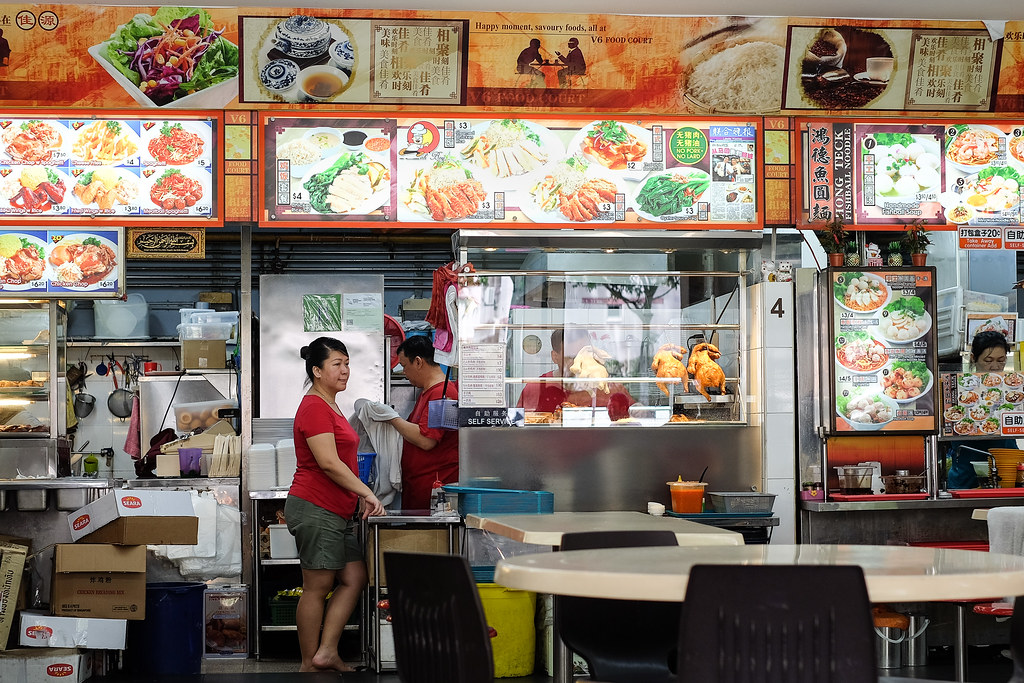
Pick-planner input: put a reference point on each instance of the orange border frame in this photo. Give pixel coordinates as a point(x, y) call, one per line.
point(215, 221)
point(756, 121)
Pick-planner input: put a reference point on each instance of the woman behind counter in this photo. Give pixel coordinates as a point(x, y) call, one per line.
point(988, 354)
point(321, 507)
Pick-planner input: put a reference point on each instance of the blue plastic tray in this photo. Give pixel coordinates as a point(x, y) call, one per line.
point(483, 501)
point(716, 515)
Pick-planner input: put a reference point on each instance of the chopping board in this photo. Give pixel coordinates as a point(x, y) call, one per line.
point(987, 493)
point(861, 497)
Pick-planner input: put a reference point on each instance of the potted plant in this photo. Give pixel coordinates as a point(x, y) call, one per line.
point(916, 239)
point(852, 253)
point(833, 237)
point(895, 253)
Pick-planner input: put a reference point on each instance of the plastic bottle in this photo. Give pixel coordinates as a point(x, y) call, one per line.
point(1020, 475)
point(435, 491)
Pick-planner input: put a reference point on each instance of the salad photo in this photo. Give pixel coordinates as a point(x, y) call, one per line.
point(166, 57)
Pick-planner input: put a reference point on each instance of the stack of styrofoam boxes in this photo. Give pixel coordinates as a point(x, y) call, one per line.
point(771, 356)
point(262, 467)
point(286, 463)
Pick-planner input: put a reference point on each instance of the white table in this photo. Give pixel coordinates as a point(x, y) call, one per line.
point(548, 530)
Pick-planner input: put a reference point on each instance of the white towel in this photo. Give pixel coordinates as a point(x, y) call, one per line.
point(1006, 530)
point(387, 443)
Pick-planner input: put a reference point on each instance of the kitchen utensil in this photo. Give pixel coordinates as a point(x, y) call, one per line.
point(902, 483)
point(119, 402)
point(84, 404)
point(854, 479)
point(101, 369)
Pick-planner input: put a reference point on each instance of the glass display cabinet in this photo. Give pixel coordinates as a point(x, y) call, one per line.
point(33, 403)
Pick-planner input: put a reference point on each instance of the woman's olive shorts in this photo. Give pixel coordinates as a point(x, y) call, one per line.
point(325, 540)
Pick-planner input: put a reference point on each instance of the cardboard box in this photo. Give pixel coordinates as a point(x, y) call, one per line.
point(12, 567)
point(27, 542)
point(404, 540)
point(203, 354)
point(42, 630)
point(136, 517)
point(101, 581)
point(226, 622)
point(37, 666)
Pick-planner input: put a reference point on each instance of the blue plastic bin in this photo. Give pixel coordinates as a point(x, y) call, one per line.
point(481, 501)
point(367, 467)
point(170, 640)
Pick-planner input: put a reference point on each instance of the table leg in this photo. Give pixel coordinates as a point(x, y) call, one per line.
point(561, 657)
point(960, 646)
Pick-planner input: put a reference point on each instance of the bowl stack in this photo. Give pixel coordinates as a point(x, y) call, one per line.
point(1006, 465)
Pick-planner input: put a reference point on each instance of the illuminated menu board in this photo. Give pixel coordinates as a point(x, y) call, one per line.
point(882, 350)
point(636, 172)
point(160, 168)
point(61, 263)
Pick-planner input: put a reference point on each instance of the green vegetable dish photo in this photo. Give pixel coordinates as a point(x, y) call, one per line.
point(666, 196)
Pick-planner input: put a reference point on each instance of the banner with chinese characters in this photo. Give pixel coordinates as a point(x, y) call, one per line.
point(646, 172)
point(108, 168)
point(946, 173)
point(62, 263)
point(882, 350)
point(982, 404)
point(266, 57)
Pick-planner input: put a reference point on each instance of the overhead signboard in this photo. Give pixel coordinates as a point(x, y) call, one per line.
point(57, 263)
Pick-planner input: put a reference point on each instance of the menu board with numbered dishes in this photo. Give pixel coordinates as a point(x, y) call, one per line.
point(53, 168)
point(882, 350)
point(983, 404)
point(62, 263)
point(984, 174)
point(900, 171)
point(525, 172)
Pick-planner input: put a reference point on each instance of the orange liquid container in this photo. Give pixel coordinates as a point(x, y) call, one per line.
point(687, 496)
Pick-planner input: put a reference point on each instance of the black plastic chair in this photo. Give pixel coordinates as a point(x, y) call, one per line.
point(776, 624)
point(622, 641)
point(440, 632)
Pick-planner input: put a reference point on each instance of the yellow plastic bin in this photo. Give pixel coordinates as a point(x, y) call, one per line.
point(510, 613)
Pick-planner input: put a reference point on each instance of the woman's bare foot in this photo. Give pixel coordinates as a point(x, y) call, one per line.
point(330, 662)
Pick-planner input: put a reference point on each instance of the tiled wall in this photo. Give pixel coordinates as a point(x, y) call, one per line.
point(100, 428)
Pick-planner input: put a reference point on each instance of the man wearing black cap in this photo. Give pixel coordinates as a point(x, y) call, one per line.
point(575, 65)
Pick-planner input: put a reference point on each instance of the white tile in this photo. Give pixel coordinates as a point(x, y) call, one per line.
point(755, 378)
point(754, 318)
point(779, 434)
point(779, 381)
point(785, 509)
point(778, 314)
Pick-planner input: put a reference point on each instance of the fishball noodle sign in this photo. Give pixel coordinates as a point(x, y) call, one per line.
point(67, 263)
point(828, 190)
point(106, 168)
point(882, 351)
point(638, 172)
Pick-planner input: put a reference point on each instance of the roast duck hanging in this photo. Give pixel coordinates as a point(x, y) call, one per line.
point(705, 371)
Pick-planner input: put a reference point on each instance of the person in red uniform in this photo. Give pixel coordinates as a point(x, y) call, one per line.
point(546, 397)
point(321, 507)
point(428, 453)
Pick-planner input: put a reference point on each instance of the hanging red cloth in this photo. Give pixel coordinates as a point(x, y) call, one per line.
point(444, 277)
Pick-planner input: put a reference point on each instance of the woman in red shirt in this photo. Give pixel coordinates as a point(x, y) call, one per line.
point(321, 507)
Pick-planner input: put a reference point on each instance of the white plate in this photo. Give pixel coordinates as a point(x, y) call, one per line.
point(325, 152)
point(40, 284)
point(532, 210)
point(877, 332)
point(126, 133)
point(214, 97)
point(931, 146)
point(880, 306)
point(550, 144)
point(641, 134)
point(687, 213)
point(406, 175)
point(7, 209)
point(966, 192)
point(59, 152)
point(924, 389)
point(864, 78)
point(371, 203)
point(844, 369)
point(972, 168)
point(202, 129)
point(968, 216)
point(870, 426)
point(74, 201)
point(204, 207)
point(1014, 159)
point(110, 277)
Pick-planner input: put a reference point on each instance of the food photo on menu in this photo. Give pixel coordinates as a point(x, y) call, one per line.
point(901, 172)
point(984, 174)
point(301, 59)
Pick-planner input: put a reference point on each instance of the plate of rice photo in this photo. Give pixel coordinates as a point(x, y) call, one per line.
point(743, 78)
point(301, 155)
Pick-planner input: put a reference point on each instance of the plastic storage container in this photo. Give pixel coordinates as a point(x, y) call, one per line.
point(510, 613)
point(477, 501)
point(367, 471)
point(117, 319)
point(742, 501)
point(282, 543)
point(203, 414)
point(210, 331)
point(206, 317)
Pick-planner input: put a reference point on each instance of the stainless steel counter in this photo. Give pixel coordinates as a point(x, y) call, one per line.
point(61, 483)
point(932, 504)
